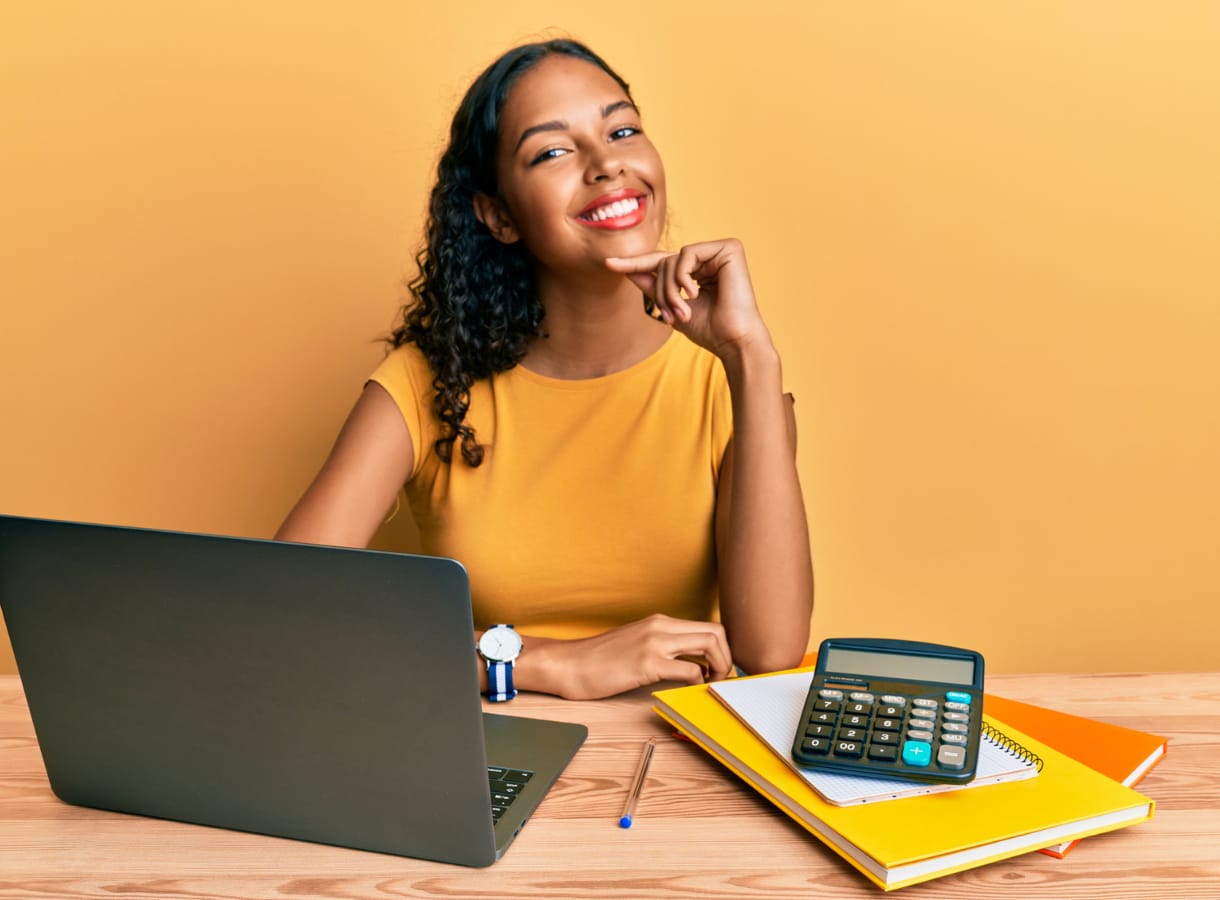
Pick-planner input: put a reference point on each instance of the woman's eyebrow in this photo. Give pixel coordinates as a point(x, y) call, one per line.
point(560, 125)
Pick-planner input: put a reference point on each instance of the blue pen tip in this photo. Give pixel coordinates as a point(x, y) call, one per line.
point(625, 822)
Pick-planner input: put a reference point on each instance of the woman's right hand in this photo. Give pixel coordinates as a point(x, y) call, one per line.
point(658, 648)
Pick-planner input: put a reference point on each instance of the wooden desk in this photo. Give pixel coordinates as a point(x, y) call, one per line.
point(699, 832)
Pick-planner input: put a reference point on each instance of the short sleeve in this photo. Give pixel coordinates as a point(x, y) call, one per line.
point(407, 378)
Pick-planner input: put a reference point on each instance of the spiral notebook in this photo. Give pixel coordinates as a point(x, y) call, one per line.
point(770, 706)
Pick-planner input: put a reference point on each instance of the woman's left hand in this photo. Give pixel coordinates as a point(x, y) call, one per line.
point(703, 291)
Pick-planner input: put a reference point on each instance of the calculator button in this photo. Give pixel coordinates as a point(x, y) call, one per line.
point(855, 720)
point(925, 736)
point(885, 737)
point(849, 748)
point(882, 751)
point(893, 700)
point(921, 713)
point(820, 731)
point(917, 753)
point(925, 703)
point(828, 694)
point(953, 739)
point(816, 745)
point(888, 724)
point(823, 705)
point(956, 717)
point(890, 711)
point(955, 727)
point(951, 757)
point(861, 696)
point(827, 718)
point(958, 707)
point(858, 708)
point(957, 697)
point(852, 734)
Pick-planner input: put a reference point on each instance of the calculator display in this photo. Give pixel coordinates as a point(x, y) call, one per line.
point(897, 665)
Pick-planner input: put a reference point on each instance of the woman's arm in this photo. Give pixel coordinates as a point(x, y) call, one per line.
point(371, 460)
point(762, 536)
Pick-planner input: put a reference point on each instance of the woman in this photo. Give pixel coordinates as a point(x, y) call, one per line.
point(606, 475)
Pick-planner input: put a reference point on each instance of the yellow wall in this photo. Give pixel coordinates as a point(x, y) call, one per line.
point(985, 235)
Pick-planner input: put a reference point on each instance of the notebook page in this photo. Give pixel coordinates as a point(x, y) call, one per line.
point(770, 705)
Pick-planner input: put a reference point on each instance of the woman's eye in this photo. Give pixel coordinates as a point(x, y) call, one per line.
point(552, 153)
point(625, 131)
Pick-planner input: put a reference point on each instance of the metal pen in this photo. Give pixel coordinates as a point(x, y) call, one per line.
point(637, 784)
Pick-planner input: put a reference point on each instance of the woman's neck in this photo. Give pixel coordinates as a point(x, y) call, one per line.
point(594, 327)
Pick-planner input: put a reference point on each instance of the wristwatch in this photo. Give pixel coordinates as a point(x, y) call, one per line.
point(500, 645)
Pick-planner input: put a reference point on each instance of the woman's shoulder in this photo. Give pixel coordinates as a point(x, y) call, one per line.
point(405, 372)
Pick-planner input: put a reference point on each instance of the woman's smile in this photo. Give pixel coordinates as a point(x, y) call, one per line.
point(616, 210)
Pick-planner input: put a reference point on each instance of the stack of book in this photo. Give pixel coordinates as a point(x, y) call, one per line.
point(1050, 779)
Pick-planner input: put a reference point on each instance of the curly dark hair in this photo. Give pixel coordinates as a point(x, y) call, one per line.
point(475, 309)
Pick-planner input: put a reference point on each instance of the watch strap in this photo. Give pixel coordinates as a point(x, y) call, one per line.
point(500, 681)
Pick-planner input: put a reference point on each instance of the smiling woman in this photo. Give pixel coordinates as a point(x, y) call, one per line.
point(623, 480)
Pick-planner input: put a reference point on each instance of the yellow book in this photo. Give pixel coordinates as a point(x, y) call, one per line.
point(902, 842)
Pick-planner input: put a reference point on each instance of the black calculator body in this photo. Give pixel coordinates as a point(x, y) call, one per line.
point(893, 709)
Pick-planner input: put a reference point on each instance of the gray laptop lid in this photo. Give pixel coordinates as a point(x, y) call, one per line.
point(310, 692)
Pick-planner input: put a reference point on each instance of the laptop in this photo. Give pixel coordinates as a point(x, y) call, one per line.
point(316, 693)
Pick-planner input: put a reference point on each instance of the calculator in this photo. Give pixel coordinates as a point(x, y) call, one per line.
point(893, 709)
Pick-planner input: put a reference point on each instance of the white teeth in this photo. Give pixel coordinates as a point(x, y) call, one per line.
point(614, 210)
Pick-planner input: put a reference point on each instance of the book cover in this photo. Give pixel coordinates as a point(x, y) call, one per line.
point(915, 839)
point(770, 706)
point(1123, 754)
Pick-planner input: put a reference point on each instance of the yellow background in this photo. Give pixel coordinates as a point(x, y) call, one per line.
point(986, 237)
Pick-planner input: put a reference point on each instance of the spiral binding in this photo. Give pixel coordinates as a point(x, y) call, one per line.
point(1008, 745)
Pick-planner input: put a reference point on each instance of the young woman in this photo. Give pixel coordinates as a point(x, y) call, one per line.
point(596, 428)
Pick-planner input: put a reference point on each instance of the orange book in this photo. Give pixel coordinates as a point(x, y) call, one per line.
point(1123, 754)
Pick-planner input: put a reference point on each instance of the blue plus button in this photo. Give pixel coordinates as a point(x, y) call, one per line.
point(957, 697)
point(917, 753)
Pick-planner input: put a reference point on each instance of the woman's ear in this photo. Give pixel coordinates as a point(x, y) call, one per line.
point(492, 212)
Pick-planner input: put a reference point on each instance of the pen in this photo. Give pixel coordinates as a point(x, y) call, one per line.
point(637, 784)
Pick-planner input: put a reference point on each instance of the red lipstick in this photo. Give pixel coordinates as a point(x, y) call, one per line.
point(618, 209)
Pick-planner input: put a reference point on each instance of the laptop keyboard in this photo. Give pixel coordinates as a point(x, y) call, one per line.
point(506, 785)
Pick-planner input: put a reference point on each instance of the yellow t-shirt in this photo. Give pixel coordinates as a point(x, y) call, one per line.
point(595, 501)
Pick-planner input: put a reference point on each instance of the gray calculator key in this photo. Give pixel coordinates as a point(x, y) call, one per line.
point(925, 702)
point(950, 757)
point(861, 696)
point(925, 736)
point(893, 700)
point(955, 727)
point(921, 713)
point(953, 739)
point(828, 694)
point(956, 717)
point(849, 748)
point(957, 707)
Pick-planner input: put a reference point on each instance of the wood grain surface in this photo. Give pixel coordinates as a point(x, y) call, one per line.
point(699, 832)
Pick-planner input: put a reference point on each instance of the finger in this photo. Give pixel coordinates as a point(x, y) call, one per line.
point(679, 670)
point(688, 262)
point(710, 644)
point(645, 262)
point(668, 287)
point(645, 281)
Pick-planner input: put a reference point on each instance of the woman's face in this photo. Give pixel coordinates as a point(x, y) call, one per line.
point(579, 180)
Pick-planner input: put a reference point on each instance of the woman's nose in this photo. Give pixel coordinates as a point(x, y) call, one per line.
point(604, 165)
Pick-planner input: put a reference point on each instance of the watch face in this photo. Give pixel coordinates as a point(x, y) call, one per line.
point(501, 644)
